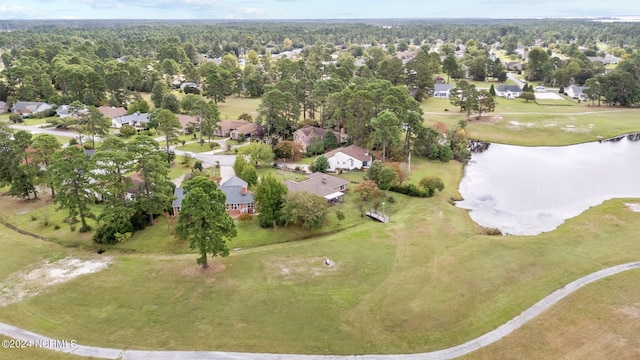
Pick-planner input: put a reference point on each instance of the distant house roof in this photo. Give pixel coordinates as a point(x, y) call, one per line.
point(112, 112)
point(575, 90)
point(236, 191)
point(178, 195)
point(190, 84)
point(250, 128)
point(307, 133)
point(228, 125)
point(508, 88)
point(354, 151)
point(3, 106)
point(64, 111)
point(442, 87)
point(32, 107)
point(133, 118)
point(318, 183)
point(186, 119)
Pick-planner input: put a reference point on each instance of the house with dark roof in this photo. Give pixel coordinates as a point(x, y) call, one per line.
point(305, 135)
point(442, 91)
point(508, 91)
point(329, 187)
point(348, 158)
point(239, 199)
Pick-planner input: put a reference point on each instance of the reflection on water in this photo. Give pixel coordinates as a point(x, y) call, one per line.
point(530, 190)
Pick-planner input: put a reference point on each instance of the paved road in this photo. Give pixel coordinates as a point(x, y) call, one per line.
point(450, 353)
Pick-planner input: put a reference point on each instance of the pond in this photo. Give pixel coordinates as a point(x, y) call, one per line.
point(530, 190)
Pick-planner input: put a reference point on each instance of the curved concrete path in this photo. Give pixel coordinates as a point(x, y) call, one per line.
point(450, 353)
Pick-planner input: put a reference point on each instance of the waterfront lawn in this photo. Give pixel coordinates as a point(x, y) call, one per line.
point(427, 280)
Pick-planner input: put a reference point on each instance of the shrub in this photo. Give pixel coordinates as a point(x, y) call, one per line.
point(408, 189)
point(391, 199)
point(56, 227)
point(492, 231)
point(245, 217)
point(127, 130)
point(73, 142)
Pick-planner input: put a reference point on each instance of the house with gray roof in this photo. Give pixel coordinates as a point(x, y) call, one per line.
point(576, 92)
point(64, 111)
point(508, 91)
point(239, 199)
point(26, 108)
point(3, 107)
point(329, 187)
point(442, 91)
point(137, 119)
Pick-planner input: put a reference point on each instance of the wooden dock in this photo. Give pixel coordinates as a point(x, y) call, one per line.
point(377, 216)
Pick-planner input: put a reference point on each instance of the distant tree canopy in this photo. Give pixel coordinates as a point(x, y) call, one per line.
point(108, 63)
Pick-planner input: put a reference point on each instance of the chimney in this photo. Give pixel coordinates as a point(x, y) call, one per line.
point(324, 179)
point(244, 190)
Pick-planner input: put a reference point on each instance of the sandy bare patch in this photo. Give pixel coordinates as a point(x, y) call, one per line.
point(550, 125)
point(27, 283)
point(635, 207)
point(575, 129)
point(290, 268)
point(517, 125)
point(548, 96)
point(197, 270)
point(628, 312)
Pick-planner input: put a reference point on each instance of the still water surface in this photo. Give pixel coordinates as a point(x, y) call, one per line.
point(530, 190)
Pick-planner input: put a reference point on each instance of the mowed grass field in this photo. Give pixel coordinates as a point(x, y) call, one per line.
point(428, 280)
point(521, 123)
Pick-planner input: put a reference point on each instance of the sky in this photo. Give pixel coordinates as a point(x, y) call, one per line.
point(311, 9)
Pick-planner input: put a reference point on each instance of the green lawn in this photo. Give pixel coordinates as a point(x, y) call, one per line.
point(521, 123)
point(427, 280)
point(234, 106)
point(196, 147)
point(178, 168)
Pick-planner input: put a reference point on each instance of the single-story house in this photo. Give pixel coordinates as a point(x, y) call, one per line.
point(239, 199)
point(442, 91)
point(64, 111)
point(329, 187)
point(305, 135)
point(185, 120)
point(576, 92)
point(137, 119)
point(26, 108)
point(348, 158)
point(251, 130)
point(112, 112)
point(225, 127)
point(508, 91)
